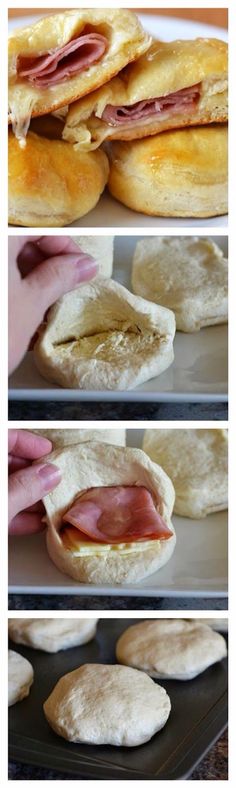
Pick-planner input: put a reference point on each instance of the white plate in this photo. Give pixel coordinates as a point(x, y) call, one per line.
point(198, 374)
point(108, 209)
point(197, 568)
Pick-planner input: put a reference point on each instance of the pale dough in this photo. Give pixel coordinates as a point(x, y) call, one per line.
point(170, 648)
point(197, 462)
point(219, 624)
point(61, 437)
point(186, 274)
point(91, 464)
point(20, 677)
point(101, 248)
point(52, 634)
point(101, 336)
point(107, 704)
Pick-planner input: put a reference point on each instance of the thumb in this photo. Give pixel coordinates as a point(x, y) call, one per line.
point(29, 485)
point(56, 276)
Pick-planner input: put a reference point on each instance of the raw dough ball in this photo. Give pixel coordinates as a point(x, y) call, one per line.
point(52, 634)
point(107, 704)
point(197, 463)
point(170, 648)
point(20, 677)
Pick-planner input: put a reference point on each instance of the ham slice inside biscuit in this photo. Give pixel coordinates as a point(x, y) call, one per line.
point(112, 515)
point(64, 62)
point(173, 102)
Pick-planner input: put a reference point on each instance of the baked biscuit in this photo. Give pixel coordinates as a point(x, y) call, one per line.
point(170, 648)
point(64, 56)
point(186, 274)
point(107, 704)
point(178, 173)
point(174, 84)
point(50, 183)
point(128, 548)
point(20, 677)
point(52, 634)
point(197, 463)
point(100, 336)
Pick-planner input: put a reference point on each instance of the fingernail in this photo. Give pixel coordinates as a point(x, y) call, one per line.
point(50, 475)
point(86, 267)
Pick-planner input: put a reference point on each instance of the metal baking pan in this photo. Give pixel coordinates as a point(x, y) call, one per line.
point(198, 717)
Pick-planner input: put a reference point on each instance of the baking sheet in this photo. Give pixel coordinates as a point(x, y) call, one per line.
point(198, 717)
point(197, 568)
point(199, 372)
point(108, 211)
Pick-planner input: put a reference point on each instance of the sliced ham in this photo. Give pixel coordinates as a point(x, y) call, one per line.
point(174, 102)
point(117, 514)
point(63, 62)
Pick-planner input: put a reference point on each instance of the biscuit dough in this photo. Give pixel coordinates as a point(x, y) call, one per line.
point(60, 438)
point(107, 704)
point(100, 336)
point(170, 648)
point(165, 69)
point(50, 184)
point(186, 274)
point(126, 41)
point(101, 248)
point(90, 465)
point(179, 173)
point(197, 462)
point(52, 634)
point(219, 624)
point(20, 677)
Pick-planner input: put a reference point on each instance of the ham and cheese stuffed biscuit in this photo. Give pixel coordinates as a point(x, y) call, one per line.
point(179, 173)
point(176, 84)
point(109, 519)
point(188, 275)
point(197, 463)
point(100, 336)
point(65, 56)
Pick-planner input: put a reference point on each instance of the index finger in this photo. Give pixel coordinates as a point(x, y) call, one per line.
point(27, 445)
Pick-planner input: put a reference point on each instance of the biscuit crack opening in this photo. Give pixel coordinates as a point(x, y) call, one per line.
point(106, 345)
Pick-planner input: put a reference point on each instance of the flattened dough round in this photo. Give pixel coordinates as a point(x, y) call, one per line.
point(101, 336)
point(60, 438)
point(107, 704)
point(20, 677)
point(89, 465)
point(52, 634)
point(170, 648)
point(178, 173)
point(186, 274)
point(197, 463)
point(50, 183)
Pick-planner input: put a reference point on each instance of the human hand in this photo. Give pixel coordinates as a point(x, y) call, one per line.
point(41, 270)
point(28, 483)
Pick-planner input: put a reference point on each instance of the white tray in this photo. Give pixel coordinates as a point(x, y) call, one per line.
point(109, 212)
point(198, 374)
point(197, 568)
